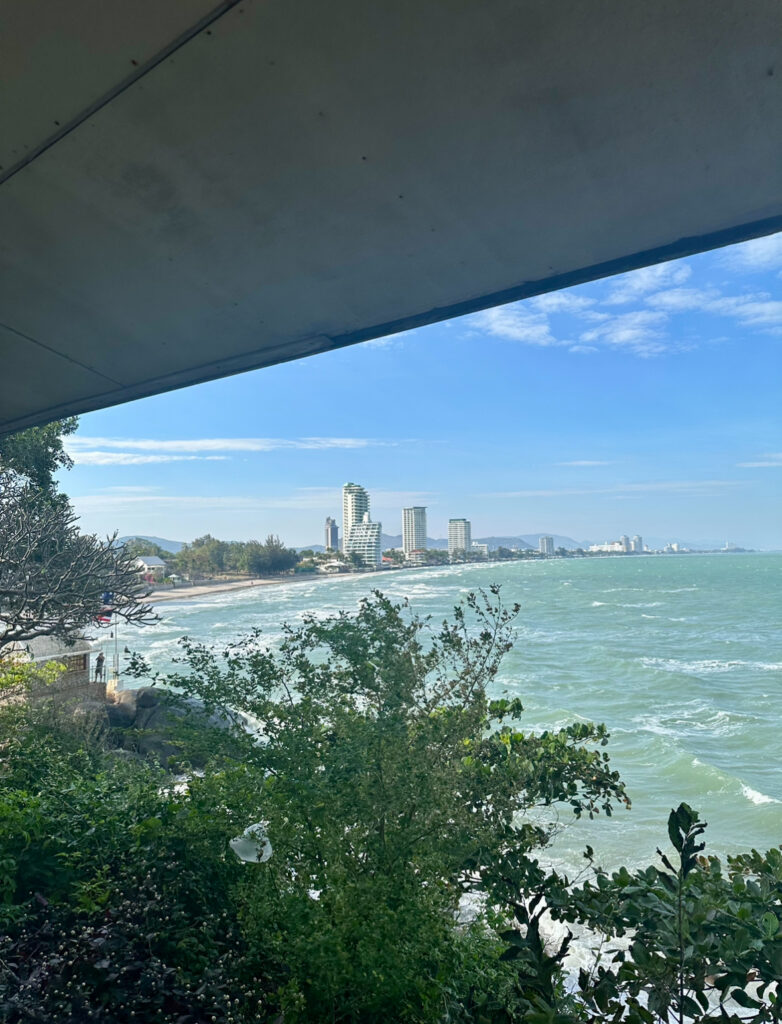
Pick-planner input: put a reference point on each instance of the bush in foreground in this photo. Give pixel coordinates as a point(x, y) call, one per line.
point(398, 799)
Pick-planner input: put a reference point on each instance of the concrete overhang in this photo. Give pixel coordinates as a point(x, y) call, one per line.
point(189, 190)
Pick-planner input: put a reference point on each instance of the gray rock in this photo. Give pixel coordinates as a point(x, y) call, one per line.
point(146, 720)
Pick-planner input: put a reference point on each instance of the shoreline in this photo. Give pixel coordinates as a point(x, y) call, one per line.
point(207, 589)
point(191, 593)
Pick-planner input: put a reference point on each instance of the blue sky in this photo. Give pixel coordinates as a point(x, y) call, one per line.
point(647, 403)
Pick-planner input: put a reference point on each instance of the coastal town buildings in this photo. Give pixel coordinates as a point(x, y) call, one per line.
point(480, 549)
point(546, 545)
point(355, 505)
point(332, 535)
point(73, 681)
point(618, 547)
point(364, 540)
point(413, 529)
point(459, 537)
point(152, 568)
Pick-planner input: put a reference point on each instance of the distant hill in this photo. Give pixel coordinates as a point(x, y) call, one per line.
point(168, 545)
point(533, 540)
point(505, 542)
point(522, 541)
point(525, 541)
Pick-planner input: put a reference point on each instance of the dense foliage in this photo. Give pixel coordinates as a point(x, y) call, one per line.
point(207, 556)
point(405, 809)
point(38, 453)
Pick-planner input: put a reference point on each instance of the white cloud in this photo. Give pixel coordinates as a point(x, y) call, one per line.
point(638, 331)
point(678, 485)
point(752, 310)
point(131, 490)
point(682, 300)
point(653, 297)
point(585, 462)
point(758, 254)
point(755, 309)
point(662, 486)
point(317, 498)
point(516, 323)
point(770, 460)
point(220, 444)
point(637, 283)
point(96, 458)
point(391, 341)
point(560, 302)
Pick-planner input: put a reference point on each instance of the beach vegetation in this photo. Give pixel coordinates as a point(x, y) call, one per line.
point(207, 557)
point(392, 815)
point(39, 453)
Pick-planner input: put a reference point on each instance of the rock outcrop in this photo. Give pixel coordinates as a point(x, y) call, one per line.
point(149, 720)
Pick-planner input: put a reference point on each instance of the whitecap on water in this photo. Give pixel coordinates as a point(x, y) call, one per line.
point(707, 666)
point(757, 798)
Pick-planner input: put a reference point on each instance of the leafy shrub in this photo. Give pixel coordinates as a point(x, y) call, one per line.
point(403, 884)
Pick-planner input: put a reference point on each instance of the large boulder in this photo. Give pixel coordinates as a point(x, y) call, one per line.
point(149, 721)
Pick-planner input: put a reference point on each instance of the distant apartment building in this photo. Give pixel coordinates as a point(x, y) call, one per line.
point(637, 544)
point(355, 505)
point(413, 529)
point(611, 547)
point(152, 568)
point(364, 540)
point(459, 537)
point(546, 545)
point(480, 549)
point(332, 534)
point(624, 540)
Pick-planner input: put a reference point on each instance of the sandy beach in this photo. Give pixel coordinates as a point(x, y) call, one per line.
point(187, 593)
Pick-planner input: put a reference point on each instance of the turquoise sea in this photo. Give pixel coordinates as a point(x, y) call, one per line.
point(681, 657)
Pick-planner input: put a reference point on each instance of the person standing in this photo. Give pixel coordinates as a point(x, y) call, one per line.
point(100, 662)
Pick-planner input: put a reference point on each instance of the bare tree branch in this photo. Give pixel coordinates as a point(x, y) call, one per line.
point(53, 578)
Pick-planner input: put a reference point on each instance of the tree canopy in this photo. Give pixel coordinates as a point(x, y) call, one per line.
point(55, 580)
point(391, 813)
point(39, 452)
point(208, 556)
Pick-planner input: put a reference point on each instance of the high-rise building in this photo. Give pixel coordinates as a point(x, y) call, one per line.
point(413, 529)
point(332, 534)
point(459, 537)
point(637, 543)
point(546, 545)
point(364, 541)
point(355, 505)
point(624, 540)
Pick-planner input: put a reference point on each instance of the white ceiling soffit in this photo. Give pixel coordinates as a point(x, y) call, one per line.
point(189, 189)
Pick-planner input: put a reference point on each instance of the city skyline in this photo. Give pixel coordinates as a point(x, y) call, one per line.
point(648, 401)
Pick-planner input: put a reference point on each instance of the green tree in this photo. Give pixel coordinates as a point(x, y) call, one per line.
point(39, 452)
point(437, 556)
point(138, 548)
point(53, 578)
point(391, 786)
point(697, 943)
